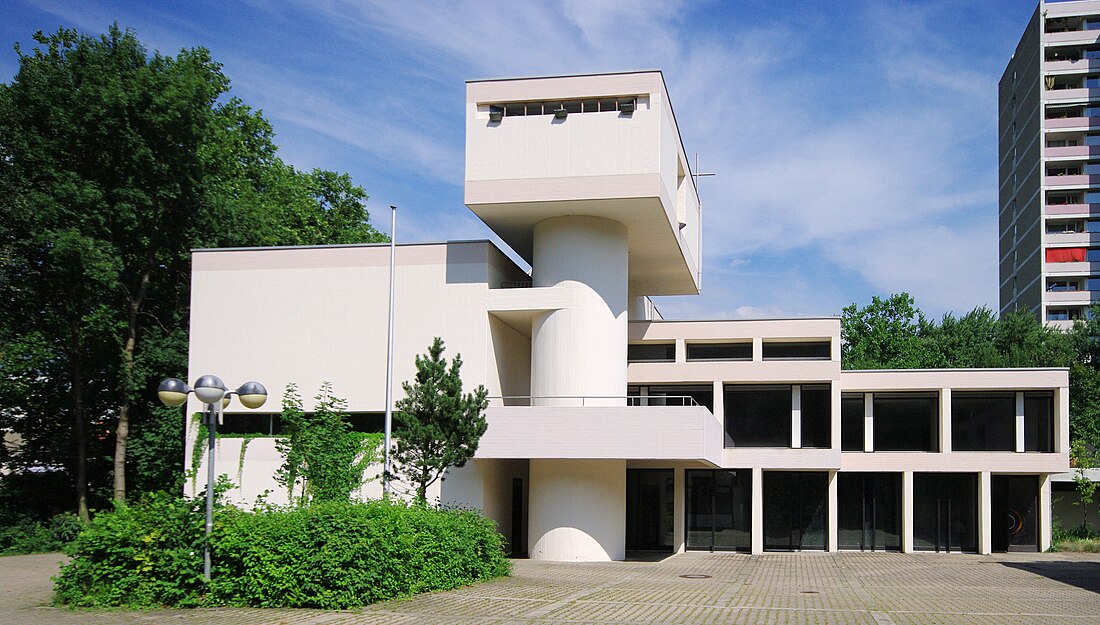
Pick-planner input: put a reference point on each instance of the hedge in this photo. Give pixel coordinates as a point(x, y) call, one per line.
point(329, 555)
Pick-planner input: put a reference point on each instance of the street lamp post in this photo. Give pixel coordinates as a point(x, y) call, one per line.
point(210, 390)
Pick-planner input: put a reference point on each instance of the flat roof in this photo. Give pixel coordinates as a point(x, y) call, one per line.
point(629, 71)
point(340, 245)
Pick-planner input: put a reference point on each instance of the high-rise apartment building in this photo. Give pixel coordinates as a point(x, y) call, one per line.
point(1049, 110)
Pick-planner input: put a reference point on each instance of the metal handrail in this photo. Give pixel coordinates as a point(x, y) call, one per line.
point(630, 400)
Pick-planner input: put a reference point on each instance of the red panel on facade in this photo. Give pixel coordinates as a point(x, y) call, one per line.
point(1065, 255)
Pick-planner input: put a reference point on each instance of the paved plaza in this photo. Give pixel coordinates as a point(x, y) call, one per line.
point(871, 588)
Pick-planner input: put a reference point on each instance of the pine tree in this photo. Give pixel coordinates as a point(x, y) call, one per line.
point(437, 426)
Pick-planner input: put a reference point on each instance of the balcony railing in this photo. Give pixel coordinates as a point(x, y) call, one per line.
point(594, 400)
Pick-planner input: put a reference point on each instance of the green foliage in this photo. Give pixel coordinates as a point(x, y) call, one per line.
point(142, 555)
point(340, 555)
point(331, 555)
point(894, 334)
point(29, 536)
point(319, 451)
point(437, 426)
point(886, 334)
point(114, 163)
point(1084, 459)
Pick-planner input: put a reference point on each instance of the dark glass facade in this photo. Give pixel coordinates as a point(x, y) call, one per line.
point(945, 511)
point(851, 422)
point(758, 415)
point(719, 509)
point(869, 511)
point(796, 510)
point(817, 410)
point(983, 421)
point(1015, 503)
point(906, 421)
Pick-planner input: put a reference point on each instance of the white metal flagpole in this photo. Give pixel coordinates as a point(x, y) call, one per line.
point(389, 361)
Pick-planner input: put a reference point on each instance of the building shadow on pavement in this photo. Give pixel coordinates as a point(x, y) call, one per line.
point(1084, 575)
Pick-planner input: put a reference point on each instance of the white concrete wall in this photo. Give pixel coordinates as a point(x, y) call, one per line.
point(577, 510)
point(580, 350)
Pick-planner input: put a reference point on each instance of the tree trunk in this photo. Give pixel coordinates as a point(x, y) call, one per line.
point(122, 431)
point(80, 429)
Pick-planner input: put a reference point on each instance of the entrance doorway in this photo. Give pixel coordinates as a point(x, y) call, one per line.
point(1015, 501)
point(945, 511)
point(649, 509)
point(519, 539)
point(869, 512)
point(719, 510)
point(795, 510)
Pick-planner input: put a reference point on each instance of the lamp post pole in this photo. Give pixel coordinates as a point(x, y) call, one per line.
point(211, 437)
point(211, 391)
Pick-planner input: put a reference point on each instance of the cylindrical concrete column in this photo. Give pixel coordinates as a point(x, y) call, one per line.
point(577, 510)
point(580, 350)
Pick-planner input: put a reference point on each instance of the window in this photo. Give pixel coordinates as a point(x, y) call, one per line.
point(1065, 227)
point(983, 421)
point(1058, 314)
point(672, 395)
point(1069, 170)
point(251, 423)
point(1039, 422)
point(906, 422)
point(802, 350)
point(851, 422)
point(758, 415)
point(268, 424)
point(817, 404)
point(1055, 286)
point(626, 104)
point(719, 351)
point(651, 352)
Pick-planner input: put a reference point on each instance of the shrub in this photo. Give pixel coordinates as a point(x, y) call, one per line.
point(327, 555)
point(141, 555)
point(340, 555)
point(29, 536)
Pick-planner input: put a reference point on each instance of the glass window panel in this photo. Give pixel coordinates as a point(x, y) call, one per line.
point(572, 106)
point(249, 423)
point(906, 421)
point(983, 421)
point(590, 106)
point(514, 109)
point(534, 108)
point(816, 415)
point(1039, 422)
point(758, 416)
point(851, 422)
point(719, 351)
point(608, 105)
point(803, 350)
point(651, 352)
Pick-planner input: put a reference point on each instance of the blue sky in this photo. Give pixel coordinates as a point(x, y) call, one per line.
point(854, 142)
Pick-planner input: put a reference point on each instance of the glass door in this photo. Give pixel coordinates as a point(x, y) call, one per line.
point(795, 510)
point(1015, 501)
point(719, 505)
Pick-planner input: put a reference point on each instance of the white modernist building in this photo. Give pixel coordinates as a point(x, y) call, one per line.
point(611, 429)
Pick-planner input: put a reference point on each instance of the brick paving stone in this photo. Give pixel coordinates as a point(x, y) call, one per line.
point(821, 589)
